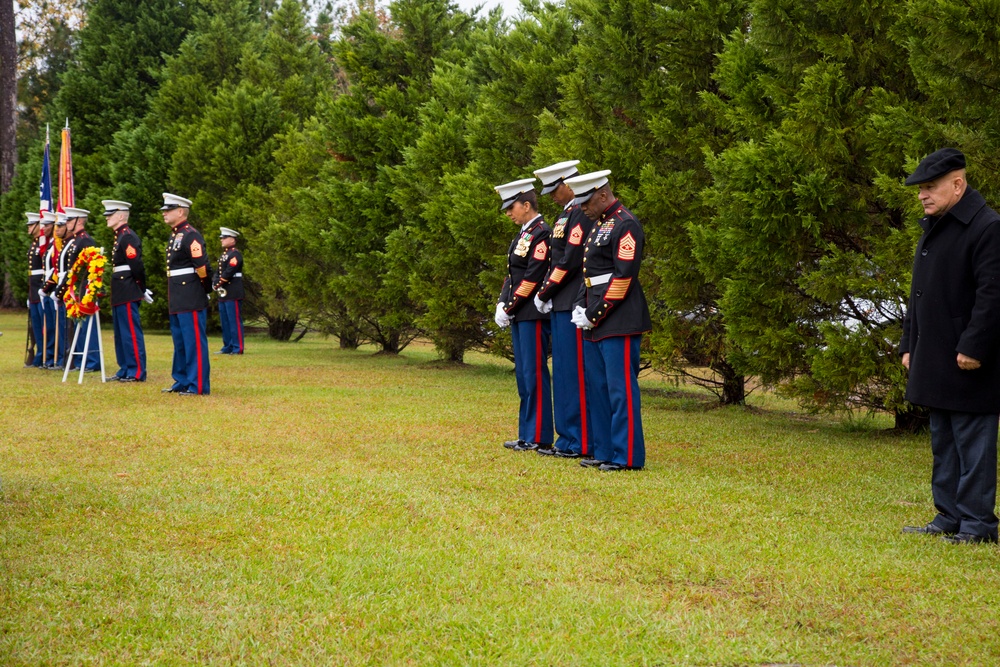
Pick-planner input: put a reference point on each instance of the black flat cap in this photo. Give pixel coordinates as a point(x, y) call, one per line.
point(936, 165)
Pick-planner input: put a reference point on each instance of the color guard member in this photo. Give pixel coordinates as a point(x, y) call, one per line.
point(36, 276)
point(76, 221)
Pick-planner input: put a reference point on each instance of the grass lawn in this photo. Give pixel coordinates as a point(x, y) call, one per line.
point(338, 507)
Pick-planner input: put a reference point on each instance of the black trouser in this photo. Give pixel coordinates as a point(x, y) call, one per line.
point(964, 479)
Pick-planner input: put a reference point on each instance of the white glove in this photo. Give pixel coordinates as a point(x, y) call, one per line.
point(28, 303)
point(148, 297)
point(42, 294)
point(501, 317)
point(544, 307)
point(579, 318)
point(53, 296)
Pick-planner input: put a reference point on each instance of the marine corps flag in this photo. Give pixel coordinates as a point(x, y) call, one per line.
point(66, 196)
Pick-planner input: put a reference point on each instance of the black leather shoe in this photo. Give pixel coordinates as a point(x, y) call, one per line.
point(615, 467)
point(547, 451)
point(929, 529)
point(592, 463)
point(188, 392)
point(969, 538)
point(170, 390)
point(127, 380)
point(511, 444)
point(525, 446)
point(567, 454)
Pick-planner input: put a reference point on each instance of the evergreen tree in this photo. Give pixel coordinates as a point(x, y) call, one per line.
point(478, 130)
point(809, 236)
point(634, 104)
point(386, 69)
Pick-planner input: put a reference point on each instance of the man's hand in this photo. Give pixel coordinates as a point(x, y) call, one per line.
point(579, 318)
point(967, 363)
point(906, 360)
point(544, 307)
point(501, 317)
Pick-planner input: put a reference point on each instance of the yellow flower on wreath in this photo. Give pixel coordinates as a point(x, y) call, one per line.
point(94, 261)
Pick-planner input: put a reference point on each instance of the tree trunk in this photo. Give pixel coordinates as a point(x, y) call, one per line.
point(348, 338)
point(280, 328)
point(734, 388)
point(7, 299)
point(914, 420)
point(8, 95)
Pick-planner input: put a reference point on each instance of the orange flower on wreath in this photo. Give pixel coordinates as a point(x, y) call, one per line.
point(93, 261)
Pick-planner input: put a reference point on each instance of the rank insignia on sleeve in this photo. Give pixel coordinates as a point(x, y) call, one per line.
point(540, 250)
point(626, 248)
point(233, 262)
point(131, 252)
point(525, 288)
point(557, 275)
point(196, 249)
point(576, 236)
point(617, 289)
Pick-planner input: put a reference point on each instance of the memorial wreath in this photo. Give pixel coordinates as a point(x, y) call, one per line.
point(93, 260)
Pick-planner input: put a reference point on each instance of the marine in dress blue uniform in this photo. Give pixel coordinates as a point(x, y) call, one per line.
point(557, 296)
point(76, 220)
point(36, 277)
point(128, 289)
point(228, 283)
point(527, 264)
point(59, 252)
point(611, 310)
point(188, 285)
point(47, 249)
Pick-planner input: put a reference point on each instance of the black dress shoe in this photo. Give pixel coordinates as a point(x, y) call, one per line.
point(127, 380)
point(592, 463)
point(547, 451)
point(511, 444)
point(170, 390)
point(567, 454)
point(969, 538)
point(615, 467)
point(525, 446)
point(929, 529)
point(188, 392)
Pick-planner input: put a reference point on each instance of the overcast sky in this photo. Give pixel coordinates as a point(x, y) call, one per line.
point(510, 7)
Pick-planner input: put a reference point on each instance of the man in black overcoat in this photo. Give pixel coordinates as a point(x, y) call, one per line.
point(951, 336)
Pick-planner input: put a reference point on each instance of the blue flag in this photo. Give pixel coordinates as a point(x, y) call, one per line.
point(45, 187)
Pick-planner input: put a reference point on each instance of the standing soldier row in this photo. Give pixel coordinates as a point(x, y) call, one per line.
point(577, 284)
point(51, 257)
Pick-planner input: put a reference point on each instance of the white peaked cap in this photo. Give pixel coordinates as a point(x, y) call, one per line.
point(510, 191)
point(114, 205)
point(226, 231)
point(585, 185)
point(60, 219)
point(76, 213)
point(33, 218)
point(174, 201)
point(49, 217)
point(555, 174)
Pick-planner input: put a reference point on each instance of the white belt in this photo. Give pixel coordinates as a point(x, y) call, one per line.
point(179, 272)
point(123, 267)
point(597, 280)
point(37, 272)
point(237, 275)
